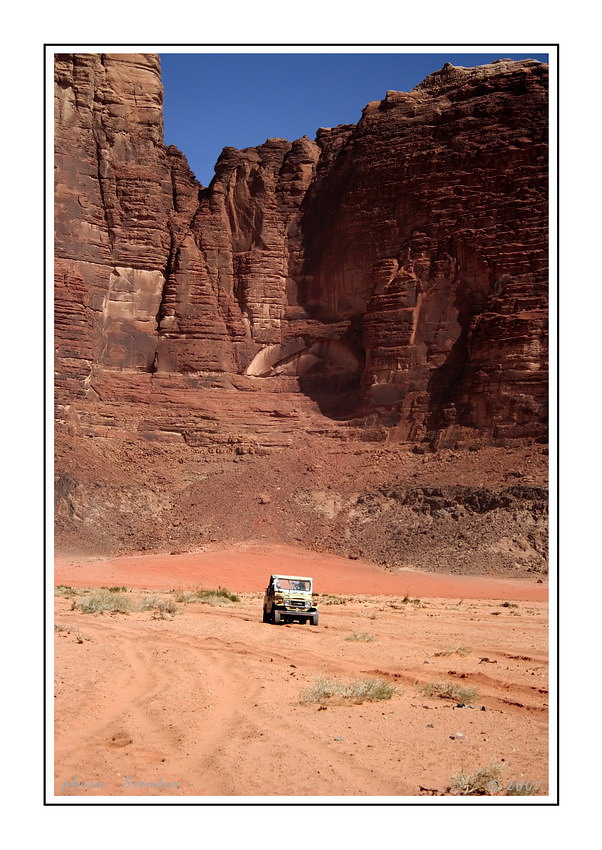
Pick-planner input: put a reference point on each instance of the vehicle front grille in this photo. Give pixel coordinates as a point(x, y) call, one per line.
point(296, 603)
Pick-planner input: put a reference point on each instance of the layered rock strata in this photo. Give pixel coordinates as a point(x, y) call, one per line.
point(391, 273)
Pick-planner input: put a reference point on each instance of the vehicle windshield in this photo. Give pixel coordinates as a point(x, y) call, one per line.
point(300, 584)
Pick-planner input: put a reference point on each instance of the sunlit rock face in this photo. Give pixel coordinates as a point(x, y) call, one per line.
point(113, 208)
point(397, 265)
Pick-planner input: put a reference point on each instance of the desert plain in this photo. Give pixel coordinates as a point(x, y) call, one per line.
point(187, 696)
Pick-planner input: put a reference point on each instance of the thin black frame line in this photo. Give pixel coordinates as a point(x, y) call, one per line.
point(305, 44)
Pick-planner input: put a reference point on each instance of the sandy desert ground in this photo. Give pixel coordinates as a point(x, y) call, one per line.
point(209, 701)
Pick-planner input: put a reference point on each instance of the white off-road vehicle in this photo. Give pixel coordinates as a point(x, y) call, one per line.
point(289, 598)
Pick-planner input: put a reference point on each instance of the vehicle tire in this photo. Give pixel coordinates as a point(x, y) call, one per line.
point(277, 617)
point(266, 616)
point(314, 619)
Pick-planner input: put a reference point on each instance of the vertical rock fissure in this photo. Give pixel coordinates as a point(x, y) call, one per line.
point(103, 197)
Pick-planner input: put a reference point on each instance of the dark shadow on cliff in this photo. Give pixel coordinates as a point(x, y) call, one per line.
point(444, 388)
point(320, 209)
point(334, 383)
point(446, 384)
point(337, 397)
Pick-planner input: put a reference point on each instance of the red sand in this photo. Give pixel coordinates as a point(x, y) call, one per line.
point(246, 567)
point(209, 703)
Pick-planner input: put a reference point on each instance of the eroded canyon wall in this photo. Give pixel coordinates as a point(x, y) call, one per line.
point(392, 273)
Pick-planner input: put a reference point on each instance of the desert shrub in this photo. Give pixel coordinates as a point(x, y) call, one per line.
point(370, 690)
point(507, 604)
point(222, 594)
point(331, 599)
point(408, 599)
point(116, 589)
point(184, 596)
point(325, 689)
point(449, 690)
point(361, 636)
point(107, 599)
point(104, 600)
point(458, 650)
point(64, 590)
point(486, 780)
point(159, 603)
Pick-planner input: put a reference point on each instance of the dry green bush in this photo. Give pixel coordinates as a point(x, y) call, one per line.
point(361, 636)
point(458, 650)
point(325, 689)
point(104, 600)
point(486, 780)
point(184, 596)
point(220, 596)
point(407, 599)
point(164, 605)
point(449, 690)
point(216, 597)
point(64, 590)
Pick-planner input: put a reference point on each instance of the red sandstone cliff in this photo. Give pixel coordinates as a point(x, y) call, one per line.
point(393, 271)
point(385, 282)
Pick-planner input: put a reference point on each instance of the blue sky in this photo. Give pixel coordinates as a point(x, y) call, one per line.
point(215, 100)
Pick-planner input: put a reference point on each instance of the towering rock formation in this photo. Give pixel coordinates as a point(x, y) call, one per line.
point(392, 272)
